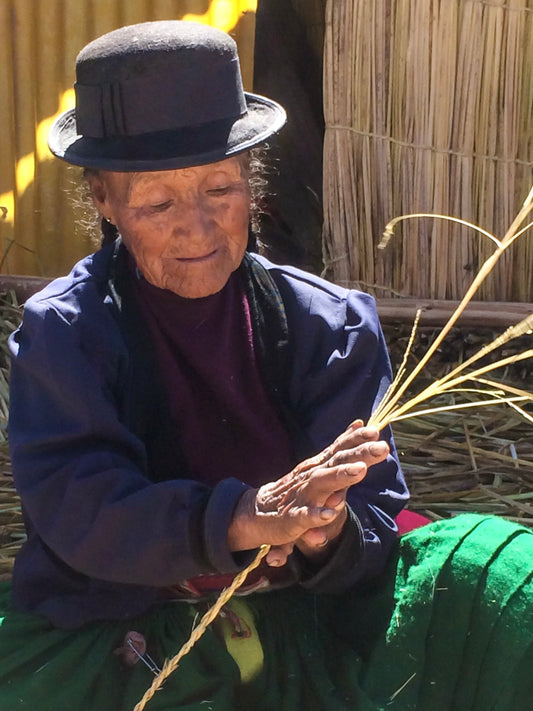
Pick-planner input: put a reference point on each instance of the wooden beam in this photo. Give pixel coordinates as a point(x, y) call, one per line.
point(23, 286)
point(483, 314)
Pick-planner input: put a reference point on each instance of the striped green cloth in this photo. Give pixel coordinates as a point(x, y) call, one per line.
point(449, 626)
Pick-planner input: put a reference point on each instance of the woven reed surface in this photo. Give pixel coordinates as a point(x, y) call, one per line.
point(480, 461)
point(428, 108)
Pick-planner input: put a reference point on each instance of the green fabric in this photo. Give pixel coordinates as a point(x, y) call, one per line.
point(450, 626)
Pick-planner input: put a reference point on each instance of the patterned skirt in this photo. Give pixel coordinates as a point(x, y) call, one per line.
point(448, 626)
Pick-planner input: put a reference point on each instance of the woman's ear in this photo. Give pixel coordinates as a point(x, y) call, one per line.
point(99, 193)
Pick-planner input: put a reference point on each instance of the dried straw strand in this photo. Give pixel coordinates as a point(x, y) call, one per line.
point(384, 412)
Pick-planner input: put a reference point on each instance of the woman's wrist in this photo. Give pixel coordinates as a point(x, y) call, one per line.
point(242, 532)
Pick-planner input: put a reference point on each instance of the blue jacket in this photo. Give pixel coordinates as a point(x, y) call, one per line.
point(106, 529)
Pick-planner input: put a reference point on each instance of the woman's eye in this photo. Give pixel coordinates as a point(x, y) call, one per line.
point(161, 206)
point(223, 190)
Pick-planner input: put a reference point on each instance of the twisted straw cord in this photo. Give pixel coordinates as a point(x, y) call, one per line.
point(427, 146)
point(171, 664)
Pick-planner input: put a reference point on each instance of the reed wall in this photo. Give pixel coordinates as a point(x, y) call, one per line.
point(42, 232)
point(429, 108)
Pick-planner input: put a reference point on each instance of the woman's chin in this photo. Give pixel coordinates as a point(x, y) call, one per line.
point(196, 286)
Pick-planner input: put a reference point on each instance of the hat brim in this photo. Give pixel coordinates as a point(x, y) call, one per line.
point(168, 150)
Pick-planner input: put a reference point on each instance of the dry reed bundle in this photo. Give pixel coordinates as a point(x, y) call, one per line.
point(12, 532)
point(475, 460)
point(10, 317)
point(482, 462)
point(428, 108)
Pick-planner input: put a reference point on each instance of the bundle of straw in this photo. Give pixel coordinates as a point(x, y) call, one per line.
point(10, 317)
point(429, 108)
point(476, 459)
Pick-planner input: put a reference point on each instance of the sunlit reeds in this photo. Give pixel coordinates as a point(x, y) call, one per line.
point(390, 407)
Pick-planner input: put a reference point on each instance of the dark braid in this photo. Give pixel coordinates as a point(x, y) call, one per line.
point(109, 232)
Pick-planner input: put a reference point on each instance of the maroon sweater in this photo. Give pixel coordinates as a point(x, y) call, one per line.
point(226, 424)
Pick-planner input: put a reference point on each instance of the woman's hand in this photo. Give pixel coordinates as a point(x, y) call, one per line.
point(307, 506)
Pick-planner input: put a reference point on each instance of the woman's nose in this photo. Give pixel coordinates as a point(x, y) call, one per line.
point(194, 221)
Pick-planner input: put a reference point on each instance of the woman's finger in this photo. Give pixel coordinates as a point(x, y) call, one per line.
point(369, 453)
point(336, 500)
point(315, 538)
point(327, 480)
point(355, 425)
point(354, 436)
point(277, 555)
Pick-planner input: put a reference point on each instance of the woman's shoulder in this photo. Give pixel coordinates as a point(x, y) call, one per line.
point(84, 287)
point(311, 293)
point(75, 311)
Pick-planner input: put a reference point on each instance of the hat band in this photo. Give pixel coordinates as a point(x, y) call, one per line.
point(157, 103)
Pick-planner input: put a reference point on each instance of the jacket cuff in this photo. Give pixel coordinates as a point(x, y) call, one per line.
point(217, 520)
point(340, 571)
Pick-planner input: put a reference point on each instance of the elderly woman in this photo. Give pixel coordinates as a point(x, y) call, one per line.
point(178, 400)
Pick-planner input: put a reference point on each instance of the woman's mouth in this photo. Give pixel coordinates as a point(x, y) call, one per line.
point(197, 259)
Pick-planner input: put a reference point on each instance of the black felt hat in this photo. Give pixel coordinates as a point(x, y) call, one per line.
point(159, 96)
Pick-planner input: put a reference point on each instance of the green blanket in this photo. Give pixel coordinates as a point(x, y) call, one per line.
point(449, 626)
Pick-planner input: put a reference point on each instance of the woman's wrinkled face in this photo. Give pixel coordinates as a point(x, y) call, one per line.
point(187, 229)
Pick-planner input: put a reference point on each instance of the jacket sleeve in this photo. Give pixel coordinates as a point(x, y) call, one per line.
point(341, 371)
point(82, 475)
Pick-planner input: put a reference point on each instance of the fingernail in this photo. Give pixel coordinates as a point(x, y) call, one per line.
point(356, 469)
point(368, 432)
point(327, 513)
point(378, 449)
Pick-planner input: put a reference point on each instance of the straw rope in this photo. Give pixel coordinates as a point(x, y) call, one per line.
point(170, 665)
point(427, 147)
point(428, 109)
